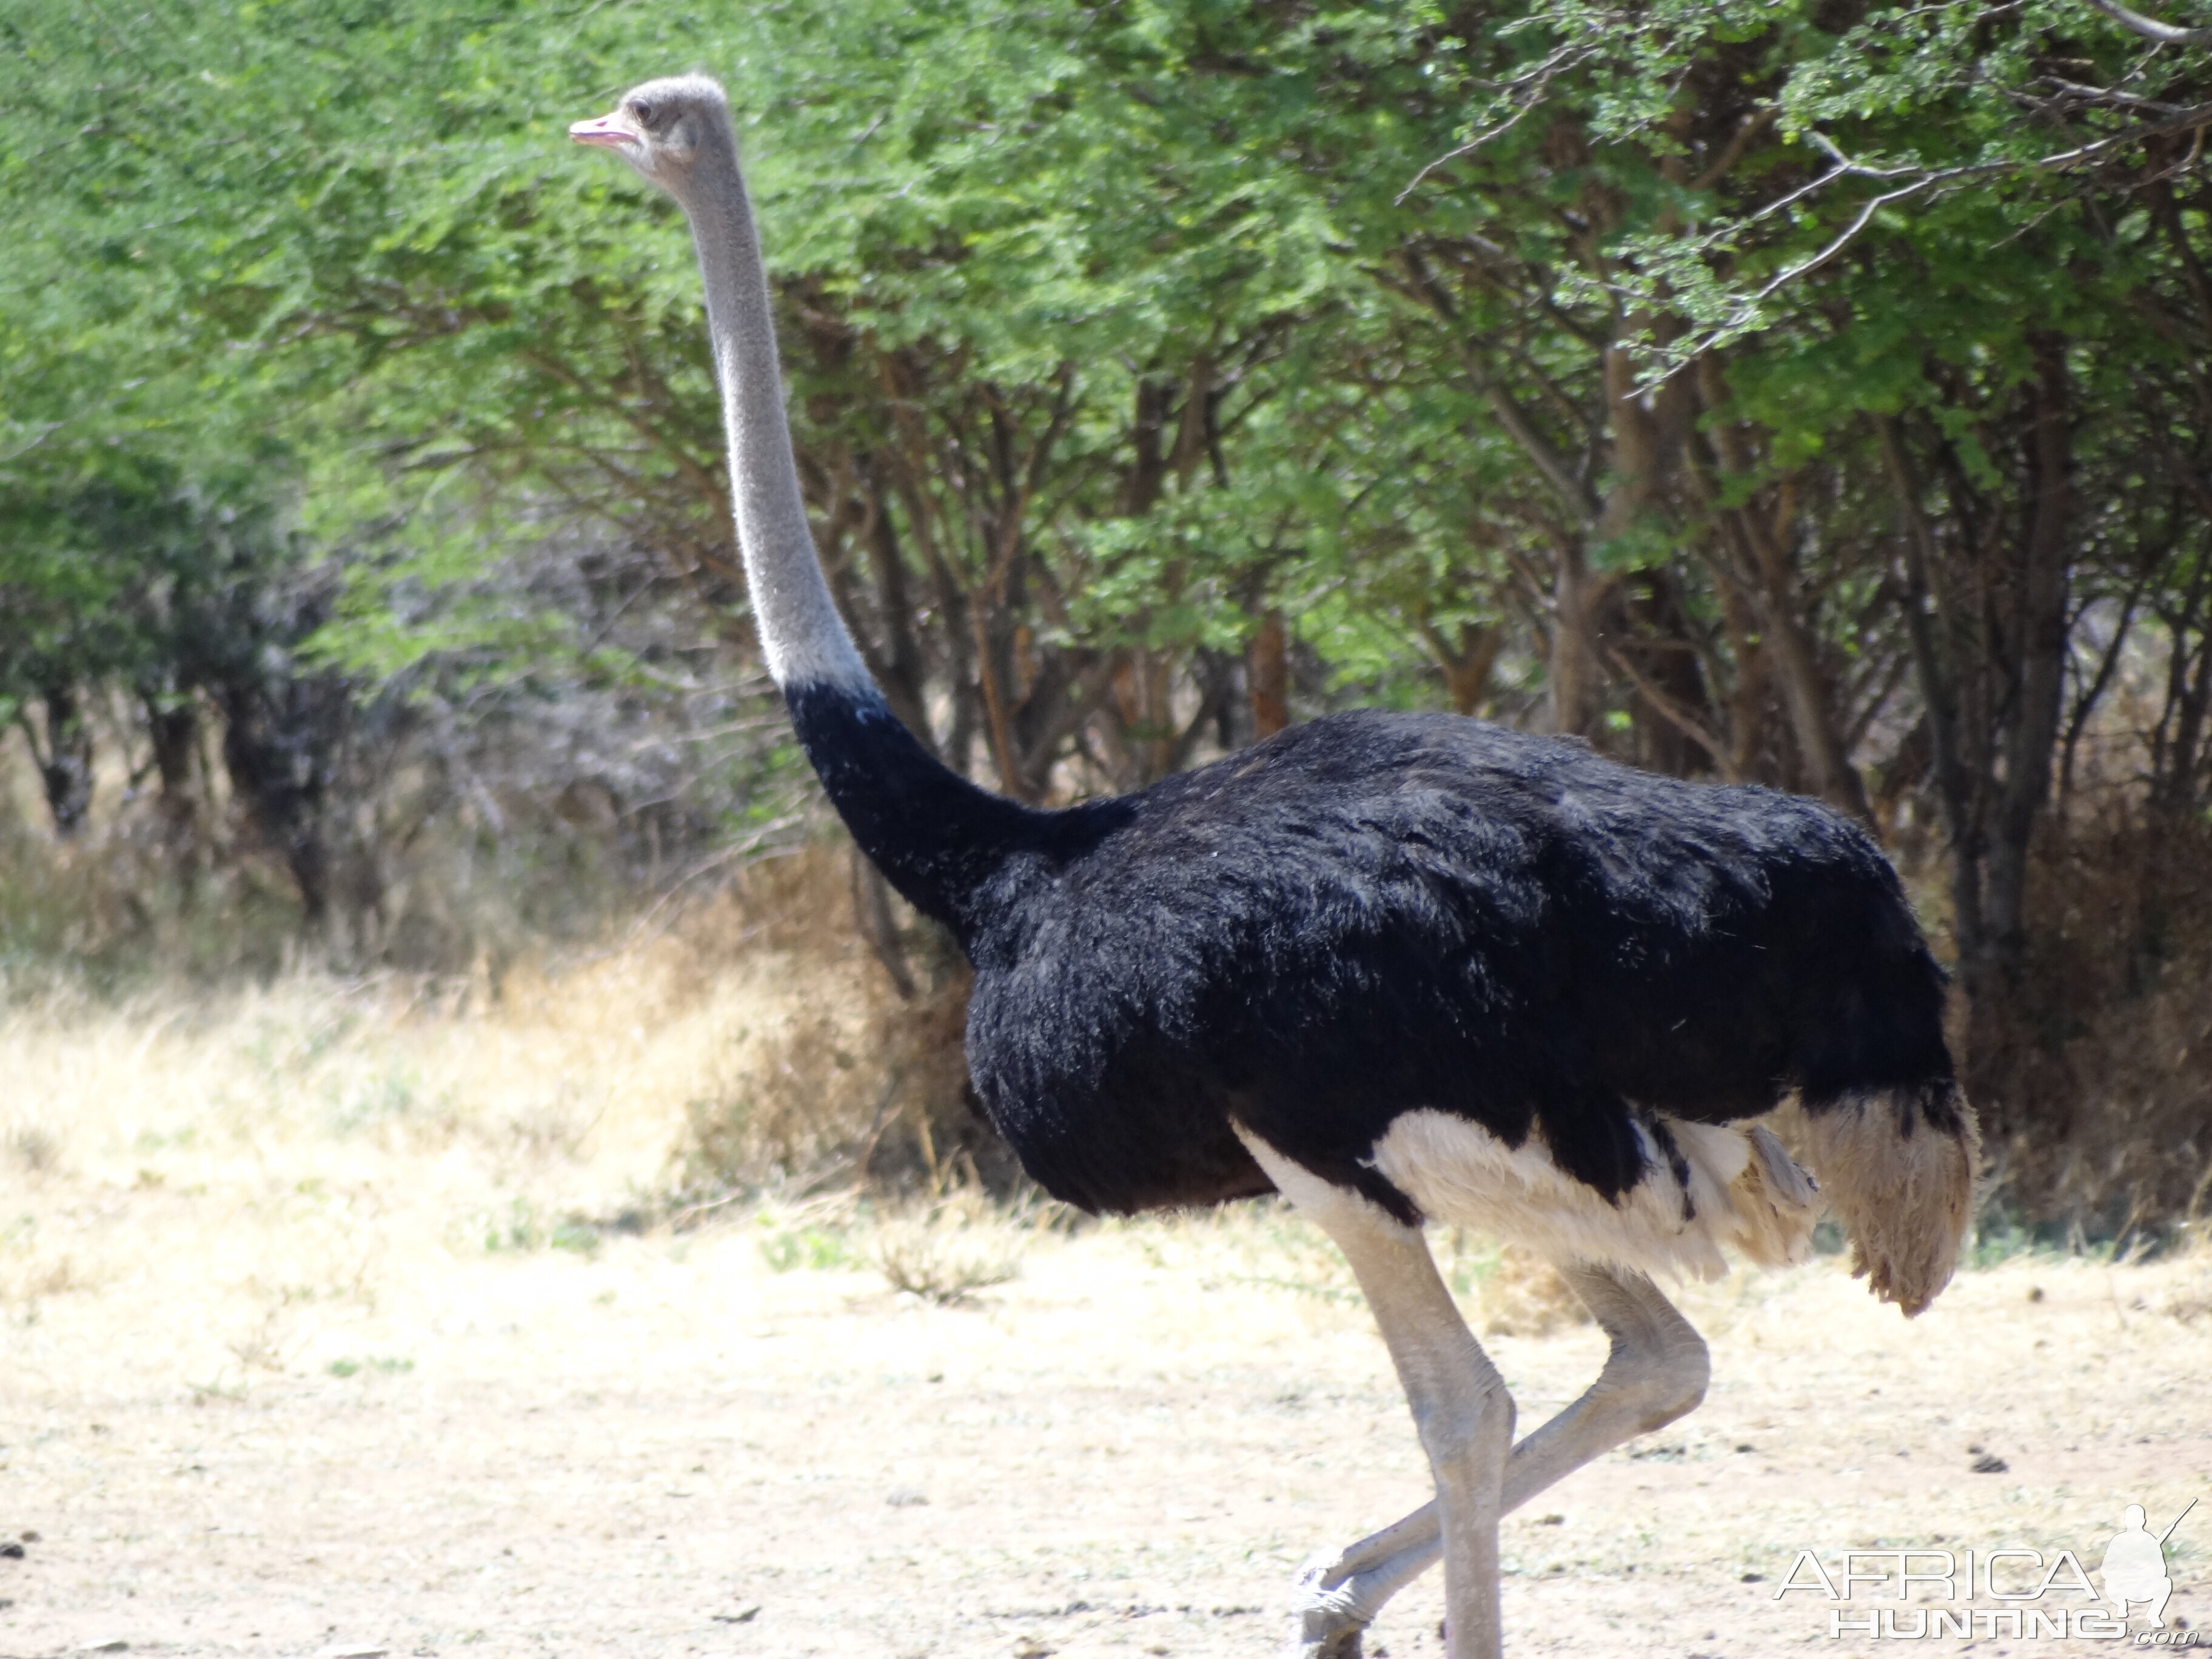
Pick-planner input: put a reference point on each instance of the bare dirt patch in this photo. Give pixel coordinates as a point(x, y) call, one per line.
point(284, 1368)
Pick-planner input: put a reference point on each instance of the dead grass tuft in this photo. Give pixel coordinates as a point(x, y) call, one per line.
point(267, 1344)
point(32, 1149)
point(28, 1283)
point(2188, 1295)
point(942, 1267)
point(861, 1086)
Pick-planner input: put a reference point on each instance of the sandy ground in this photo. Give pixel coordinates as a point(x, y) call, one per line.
point(282, 1372)
point(671, 1448)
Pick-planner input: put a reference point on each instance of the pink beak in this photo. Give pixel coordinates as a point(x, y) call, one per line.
point(606, 130)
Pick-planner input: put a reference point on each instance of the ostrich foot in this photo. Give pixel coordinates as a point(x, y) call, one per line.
point(1337, 1593)
point(1327, 1622)
point(1322, 1635)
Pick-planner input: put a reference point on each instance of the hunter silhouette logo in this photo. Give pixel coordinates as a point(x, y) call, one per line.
point(1915, 1594)
point(2134, 1569)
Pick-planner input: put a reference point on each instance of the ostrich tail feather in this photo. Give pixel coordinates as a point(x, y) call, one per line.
point(1898, 1166)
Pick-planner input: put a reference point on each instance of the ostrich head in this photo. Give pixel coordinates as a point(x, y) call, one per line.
point(664, 129)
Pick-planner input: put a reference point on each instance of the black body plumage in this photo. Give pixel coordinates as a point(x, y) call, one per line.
point(1378, 912)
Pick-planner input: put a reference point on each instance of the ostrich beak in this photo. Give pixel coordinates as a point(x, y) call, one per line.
point(606, 130)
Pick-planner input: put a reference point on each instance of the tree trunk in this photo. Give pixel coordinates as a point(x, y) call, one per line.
point(1467, 664)
point(1672, 708)
point(2001, 672)
point(873, 916)
point(1805, 692)
point(65, 761)
point(1954, 787)
point(1574, 671)
point(1269, 667)
point(902, 670)
point(2040, 626)
point(172, 724)
point(276, 740)
point(2177, 737)
point(1761, 529)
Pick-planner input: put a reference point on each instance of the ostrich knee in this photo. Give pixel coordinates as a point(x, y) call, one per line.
point(1668, 1384)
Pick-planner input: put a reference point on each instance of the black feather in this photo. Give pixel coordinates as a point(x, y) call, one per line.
point(1377, 912)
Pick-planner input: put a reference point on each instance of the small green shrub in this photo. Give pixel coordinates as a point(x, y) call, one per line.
point(786, 1249)
point(388, 1365)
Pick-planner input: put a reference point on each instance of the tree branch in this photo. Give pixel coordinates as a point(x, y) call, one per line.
point(1526, 91)
point(2150, 28)
point(1670, 711)
point(1746, 132)
point(1572, 490)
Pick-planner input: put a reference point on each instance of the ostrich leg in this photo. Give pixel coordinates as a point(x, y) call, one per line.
point(1655, 1372)
point(1461, 1408)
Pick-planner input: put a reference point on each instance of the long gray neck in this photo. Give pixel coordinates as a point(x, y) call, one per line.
point(801, 634)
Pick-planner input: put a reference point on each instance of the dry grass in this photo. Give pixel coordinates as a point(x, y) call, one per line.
point(2109, 1064)
point(924, 1259)
point(574, 1092)
point(753, 1047)
point(263, 1151)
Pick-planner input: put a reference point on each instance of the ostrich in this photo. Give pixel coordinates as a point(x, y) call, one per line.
point(1394, 967)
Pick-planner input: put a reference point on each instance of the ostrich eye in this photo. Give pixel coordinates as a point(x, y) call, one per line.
point(644, 112)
